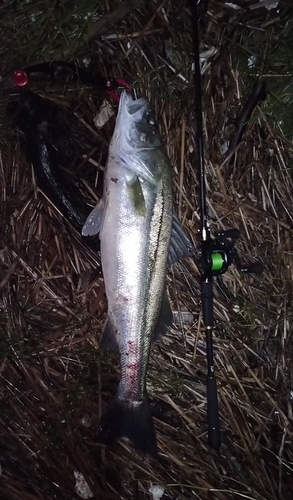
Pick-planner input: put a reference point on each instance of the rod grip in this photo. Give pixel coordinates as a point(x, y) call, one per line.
point(214, 437)
point(207, 296)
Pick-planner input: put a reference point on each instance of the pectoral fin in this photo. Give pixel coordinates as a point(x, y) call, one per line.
point(180, 245)
point(94, 222)
point(136, 195)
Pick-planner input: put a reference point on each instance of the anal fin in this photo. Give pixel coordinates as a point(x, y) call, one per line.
point(109, 339)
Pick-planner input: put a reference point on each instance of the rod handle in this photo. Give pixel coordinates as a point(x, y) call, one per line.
point(207, 296)
point(214, 437)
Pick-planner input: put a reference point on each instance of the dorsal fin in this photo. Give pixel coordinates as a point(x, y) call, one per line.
point(165, 318)
point(180, 245)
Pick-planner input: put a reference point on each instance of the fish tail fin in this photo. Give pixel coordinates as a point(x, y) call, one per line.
point(131, 419)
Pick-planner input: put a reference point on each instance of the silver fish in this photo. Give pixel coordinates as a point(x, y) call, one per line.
point(134, 219)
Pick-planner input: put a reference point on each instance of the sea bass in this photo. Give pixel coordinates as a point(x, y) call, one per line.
point(134, 219)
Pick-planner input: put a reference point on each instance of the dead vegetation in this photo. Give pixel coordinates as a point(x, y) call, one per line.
point(54, 381)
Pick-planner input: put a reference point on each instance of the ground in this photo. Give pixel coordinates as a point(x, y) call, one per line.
point(54, 380)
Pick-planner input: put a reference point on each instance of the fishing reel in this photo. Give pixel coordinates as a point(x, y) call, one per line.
point(219, 253)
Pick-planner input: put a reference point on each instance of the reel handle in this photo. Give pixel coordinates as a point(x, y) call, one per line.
point(256, 268)
point(230, 233)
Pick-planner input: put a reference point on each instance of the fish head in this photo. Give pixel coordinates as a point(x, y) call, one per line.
point(136, 126)
point(136, 144)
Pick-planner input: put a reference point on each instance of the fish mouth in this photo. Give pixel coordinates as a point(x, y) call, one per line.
point(130, 105)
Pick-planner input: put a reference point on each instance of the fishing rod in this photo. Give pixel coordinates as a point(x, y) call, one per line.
point(217, 253)
point(67, 73)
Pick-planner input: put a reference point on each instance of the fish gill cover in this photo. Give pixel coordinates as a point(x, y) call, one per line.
point(54, 380)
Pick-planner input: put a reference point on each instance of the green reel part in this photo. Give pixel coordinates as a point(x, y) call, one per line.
point(217, 261)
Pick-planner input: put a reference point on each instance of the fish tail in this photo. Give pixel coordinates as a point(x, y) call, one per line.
point(131, 419)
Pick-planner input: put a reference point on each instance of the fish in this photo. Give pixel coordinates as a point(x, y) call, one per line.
point(135, 222)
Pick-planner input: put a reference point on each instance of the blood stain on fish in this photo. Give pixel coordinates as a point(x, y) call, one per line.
point(132, 372)
point(132, 347)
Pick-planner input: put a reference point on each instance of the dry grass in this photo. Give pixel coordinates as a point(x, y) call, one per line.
point(54, 380)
